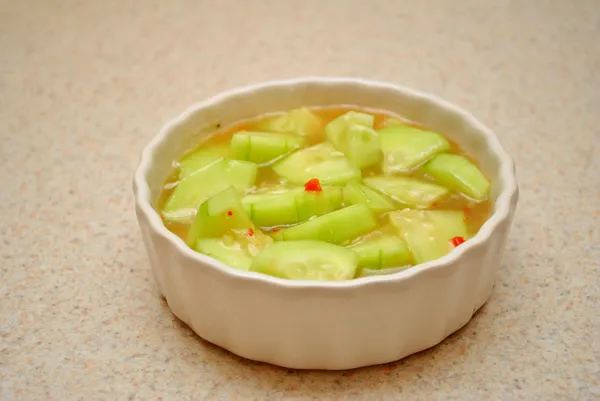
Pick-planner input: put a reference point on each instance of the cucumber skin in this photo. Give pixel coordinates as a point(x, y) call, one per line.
point(335, 227)
point(381, 252)
point(262, 147)
point(291, 206)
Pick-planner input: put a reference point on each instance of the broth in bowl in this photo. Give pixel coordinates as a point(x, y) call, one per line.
point(330, 193)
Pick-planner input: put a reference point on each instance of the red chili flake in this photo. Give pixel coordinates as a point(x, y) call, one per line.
point(456, 241)
point(276, 230)
point(313, 185)
point(250, 232)
point(230, 213)
point(435, 204)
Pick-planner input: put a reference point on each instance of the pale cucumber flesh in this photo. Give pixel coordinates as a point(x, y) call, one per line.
point(405, 147)
point(379, 203)
point(458, 173)
point(201, 158)
point(353, 135)
point(194, 189)
point(223, 230)
point(219, 214)
point(299, 121)
point(411, 192)
point(232, 255)
point(321, 161)
point(306, 260)
point(428, 233)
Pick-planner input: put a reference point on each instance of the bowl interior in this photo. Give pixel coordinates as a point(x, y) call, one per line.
point(202, 119)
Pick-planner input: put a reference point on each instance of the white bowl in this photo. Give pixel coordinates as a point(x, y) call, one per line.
point(325, 325)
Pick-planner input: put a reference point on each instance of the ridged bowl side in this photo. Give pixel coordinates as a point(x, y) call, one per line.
point(325, 325)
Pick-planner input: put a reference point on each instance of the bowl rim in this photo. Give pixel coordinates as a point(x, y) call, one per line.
point(502, 206)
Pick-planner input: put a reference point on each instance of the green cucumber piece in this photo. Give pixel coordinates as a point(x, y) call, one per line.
point(194, 189)
point(321, 161)
point(263, 147)
point(299, 121)
point(202, 158)
point(428, 232)
point(355, 193)
point(335, 227)
point(459, 174)
point(404, 147)
point(230, 254)
point(411, 192)
point(337, 127)
point(283, 207)
point(221, 213)
point(382, 251)
point(353, 135)
point(310, 203)
point(306, 260)
point(269, 209)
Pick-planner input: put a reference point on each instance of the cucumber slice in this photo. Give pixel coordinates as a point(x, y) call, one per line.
point(321, 161)
point(411, 192)
point(335, 227)
point(382, 251)
point(310, 204)
point(291, 206)
point(405, 147)
point(202, 158)
point(306, 260)
point(357, 193)
point(353, 135)
point(221, 213)
point(428, 232)
point(337, 127)
point(458, 173)
point(263, 147)
point(232, 255)
point(274, 208)
point(300, 121)
point(194, 189)
point(222, 218)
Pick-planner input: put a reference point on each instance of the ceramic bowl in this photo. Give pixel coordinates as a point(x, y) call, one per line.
point(325, 325)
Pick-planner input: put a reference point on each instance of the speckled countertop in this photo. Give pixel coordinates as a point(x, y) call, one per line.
point(85, 84)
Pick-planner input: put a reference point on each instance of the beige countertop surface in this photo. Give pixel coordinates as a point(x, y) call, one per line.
point(85, 84)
